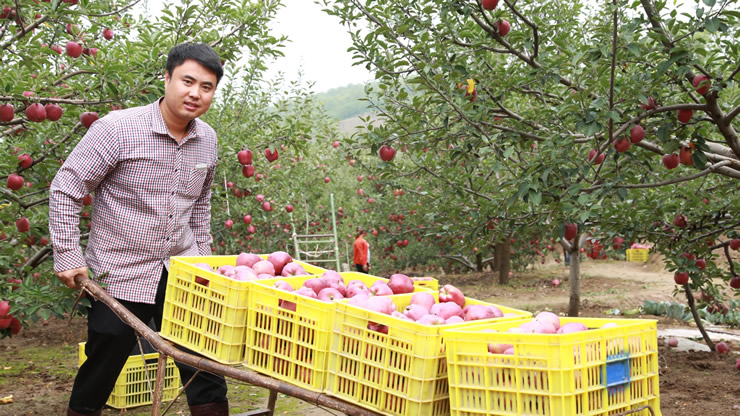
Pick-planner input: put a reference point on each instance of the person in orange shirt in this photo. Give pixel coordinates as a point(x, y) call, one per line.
point(362, 250)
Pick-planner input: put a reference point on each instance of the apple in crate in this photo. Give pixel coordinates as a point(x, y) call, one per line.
point(329, 294)
point(415, 311)
point(380, 288)
point(446, 309)
point(264, 267)
point(316, 284)
point(244, 274)
point(476, 312)
point(431, 320)
point(424, 299)
point(548, 316)
point(293, 269)
point(279, 259)
point(449, 293)
point(247, 259)
point(400, 283)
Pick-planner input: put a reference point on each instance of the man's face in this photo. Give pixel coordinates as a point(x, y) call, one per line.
point(189, 90)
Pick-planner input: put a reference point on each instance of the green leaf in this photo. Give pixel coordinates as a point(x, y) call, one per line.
point(709, 3)
point(712, 24)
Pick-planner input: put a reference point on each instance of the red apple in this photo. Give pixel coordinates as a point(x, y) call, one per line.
point(327, 180)
point(735, 244)
point(503, 27)
point(245, 157)
point(622, 145)
point(53, 111)
point(247, 219)
point(386, 153)
point(637, 133)
point(279, 259)
point(267, 206)
point(684, 156)
point(15, 181)
point(592, 156)
point(88, 118)
point(681, 278)
point(108, 33)
point(680, 221)
point(651, 104)
point(571, 230)
point(335, 144)
point(22, 224)
point(4, 308)
point(248, 171)
point(670, 161)
point(25, 160)
point(400, 283)
point(735, 282)
point(702, 83)
point(673, 342)
point(229, 223)
point(445, 310)
point(684, 116)
point(271, 156)
point(260, 198)
point(36, 112)
point(722, 347)
point(73, 49)
point(251, 229)
point(449, 293)
point(489, 4)
point(7, 112)
point(701, 264)
point(289, 208)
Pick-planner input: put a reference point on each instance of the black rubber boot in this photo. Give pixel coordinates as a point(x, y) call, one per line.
point(210, 409)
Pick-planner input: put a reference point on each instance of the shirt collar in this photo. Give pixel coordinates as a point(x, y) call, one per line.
point(160, 127)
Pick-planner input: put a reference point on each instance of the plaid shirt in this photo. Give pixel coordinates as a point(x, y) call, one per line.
point(151, 200)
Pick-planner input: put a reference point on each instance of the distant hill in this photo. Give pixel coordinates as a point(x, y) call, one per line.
point(344, 102)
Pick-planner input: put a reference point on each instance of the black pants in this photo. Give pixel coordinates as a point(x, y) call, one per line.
point(361, 268)
point(109, 344)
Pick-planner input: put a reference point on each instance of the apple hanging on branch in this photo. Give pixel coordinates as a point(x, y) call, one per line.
point(386, 153)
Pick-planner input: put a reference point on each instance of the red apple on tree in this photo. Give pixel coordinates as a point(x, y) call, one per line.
point(267, 206)
point(335, 144)
point(386, 153)
point(248, 171)
point(684, 156)
point(73, 49)
point(503, 27)
point(571, 230)
point(271, 156)
point(245, 157)
point(622, 145)
point(670, 161)
point(15, 181)
point(637, 133)
point(596, 159)
point(684, 116)
point(289, 208)
point(680, 221)
point(327, 180)
point(22, 225)
point(735, 244)
point(88, 118)
point(681, 278)
point(247, 219)
point(229, 223)
point(701, 264)
point(7, 112)
point(735, 282)
point(651, 104)
point(702, 83)
point(25, 160)
point(53, 111)
point(108, 33)
point(36, 112)
point(489, 4)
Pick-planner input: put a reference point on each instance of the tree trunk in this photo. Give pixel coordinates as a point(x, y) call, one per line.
point(575, 283)
point(504, 263)
point(697, 319)
point(479, 262)
point(496, 264)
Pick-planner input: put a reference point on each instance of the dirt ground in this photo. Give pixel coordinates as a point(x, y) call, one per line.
point(37, 367)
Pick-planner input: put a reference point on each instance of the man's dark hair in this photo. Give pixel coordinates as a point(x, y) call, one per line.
point(199, 52)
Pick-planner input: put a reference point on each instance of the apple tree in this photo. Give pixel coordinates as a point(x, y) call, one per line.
point(550, 113)
point(66, 64)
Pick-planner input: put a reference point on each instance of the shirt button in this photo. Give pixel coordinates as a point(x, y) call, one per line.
point(168, 239)
point(170, 215)
point(173, 192)
point(177, 170)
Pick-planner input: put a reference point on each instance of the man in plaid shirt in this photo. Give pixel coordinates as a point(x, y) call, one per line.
point(150, 170)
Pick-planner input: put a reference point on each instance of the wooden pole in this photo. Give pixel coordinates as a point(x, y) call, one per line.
point(211, 366)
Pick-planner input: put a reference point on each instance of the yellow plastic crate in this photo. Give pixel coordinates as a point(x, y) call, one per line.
point(430, 283)
point(638, 255)
point(210, 319)
point(595, 372)
point(132, 387)
point(288, 345)
point(401, 373)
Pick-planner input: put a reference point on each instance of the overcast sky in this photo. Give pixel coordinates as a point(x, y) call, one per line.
point(317, 44)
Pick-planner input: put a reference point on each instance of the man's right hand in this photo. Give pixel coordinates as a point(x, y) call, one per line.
point(68, 276)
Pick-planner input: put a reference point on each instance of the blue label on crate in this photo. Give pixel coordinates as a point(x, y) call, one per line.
point(617, 371)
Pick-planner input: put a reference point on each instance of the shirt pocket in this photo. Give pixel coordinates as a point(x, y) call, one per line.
point(194, 185)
